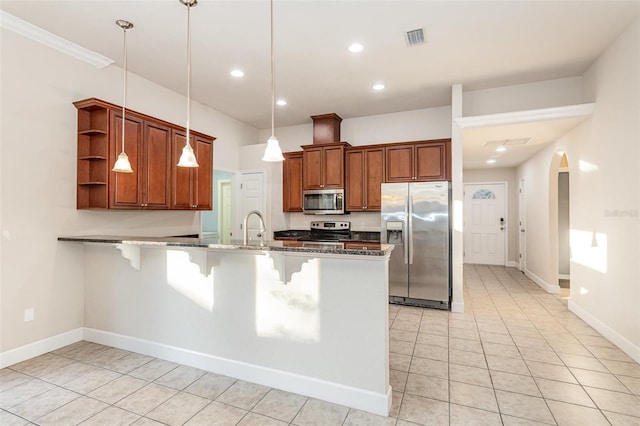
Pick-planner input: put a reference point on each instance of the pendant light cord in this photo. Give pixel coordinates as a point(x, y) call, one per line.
point(124, 90)
point(188, 70)
point(273, 79)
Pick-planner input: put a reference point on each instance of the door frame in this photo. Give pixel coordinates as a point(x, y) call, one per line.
point(235, 198)
point(506, 214)
point(522, 225)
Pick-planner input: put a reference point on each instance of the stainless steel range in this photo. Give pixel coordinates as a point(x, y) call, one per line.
point(327, 234)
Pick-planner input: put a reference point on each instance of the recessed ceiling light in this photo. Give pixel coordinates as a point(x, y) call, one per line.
point(281, 102)
point(491, 161)
point(237, 73)
point(501, 149)
point(378, 86)
point(356, 48)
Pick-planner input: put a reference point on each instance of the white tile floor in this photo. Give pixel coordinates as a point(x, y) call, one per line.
point(517, 356)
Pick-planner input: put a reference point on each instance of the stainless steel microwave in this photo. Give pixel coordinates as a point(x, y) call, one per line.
point(323, 201)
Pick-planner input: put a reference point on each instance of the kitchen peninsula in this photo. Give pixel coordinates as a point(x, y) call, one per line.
point(313, 321)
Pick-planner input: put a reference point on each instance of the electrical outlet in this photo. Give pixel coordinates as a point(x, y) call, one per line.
point(28, 314)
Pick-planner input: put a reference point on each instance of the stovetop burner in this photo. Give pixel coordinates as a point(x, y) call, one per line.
point(328, 231)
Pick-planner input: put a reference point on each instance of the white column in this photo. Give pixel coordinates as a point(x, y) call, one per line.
point(457, 302)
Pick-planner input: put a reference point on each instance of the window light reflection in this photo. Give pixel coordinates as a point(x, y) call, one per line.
point(185, 277)
point(589, 249)
point(288, 311)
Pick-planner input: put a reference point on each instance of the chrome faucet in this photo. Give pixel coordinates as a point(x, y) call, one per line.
point(245, 228)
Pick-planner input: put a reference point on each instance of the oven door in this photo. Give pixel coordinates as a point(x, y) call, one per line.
point(323, 201)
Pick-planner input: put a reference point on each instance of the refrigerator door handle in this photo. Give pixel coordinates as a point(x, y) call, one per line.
point(405, 233)
point(410, 230)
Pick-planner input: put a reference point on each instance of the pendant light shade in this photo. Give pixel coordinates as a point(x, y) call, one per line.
point(188, 157)
point(272, 152)
point(122, 164)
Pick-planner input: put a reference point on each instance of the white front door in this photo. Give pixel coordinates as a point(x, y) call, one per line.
point(253, 198)
point(485, 223)
point(522, 239)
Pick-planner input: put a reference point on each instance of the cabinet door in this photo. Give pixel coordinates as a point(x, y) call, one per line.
point(374, 175)
point(312, 171)
point(430, 161)
point(181, 177)
point(125, 187)
point(157, 166)
point(399, 163)
point(355, 180)
point(292, 182)
point(333, 167)
point(203, 179)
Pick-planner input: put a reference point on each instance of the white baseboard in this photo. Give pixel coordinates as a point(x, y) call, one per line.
point(617, 339)
point(40, 347)
point(457, 307)
point(377, 403)
point(549, 288)
point(564, 276)
point(511, 264)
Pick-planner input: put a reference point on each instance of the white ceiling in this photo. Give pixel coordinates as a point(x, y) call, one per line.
point(480, 44)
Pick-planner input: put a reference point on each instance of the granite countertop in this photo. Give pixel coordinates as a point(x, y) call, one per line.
point(215, 243)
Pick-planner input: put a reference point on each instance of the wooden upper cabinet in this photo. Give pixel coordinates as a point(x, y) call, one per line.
point(153, 147)
point(323, 166)
point(432, 161)
point(191, 186)
point(364, 176)
point(292, 182)
point(418, 161)
point(204, 173)
point(148, 146)
point(399, 162)
point(157, 166)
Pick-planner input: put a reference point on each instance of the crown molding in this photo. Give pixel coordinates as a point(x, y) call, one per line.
point(555, 113)
point(36, 33)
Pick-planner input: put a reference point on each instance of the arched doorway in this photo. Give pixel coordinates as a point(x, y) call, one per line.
point(564, 248)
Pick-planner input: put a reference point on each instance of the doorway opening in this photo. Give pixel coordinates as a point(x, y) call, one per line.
point(219, 222)
point(564, 248)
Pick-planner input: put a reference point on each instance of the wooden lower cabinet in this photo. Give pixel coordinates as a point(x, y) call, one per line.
point(355, 245)
point(364, 176)
point(153, 147)
point(292, 182)
point(191, 186)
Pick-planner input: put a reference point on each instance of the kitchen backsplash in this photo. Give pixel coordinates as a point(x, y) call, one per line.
point(359, 221)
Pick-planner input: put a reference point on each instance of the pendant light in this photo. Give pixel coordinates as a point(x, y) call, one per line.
point(272, 152)
point(188, 158)
point(122, 164)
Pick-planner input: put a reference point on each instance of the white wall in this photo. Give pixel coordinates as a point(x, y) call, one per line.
point(520, 97)
point(508, 175)
point(37, 196)
point(603, 154)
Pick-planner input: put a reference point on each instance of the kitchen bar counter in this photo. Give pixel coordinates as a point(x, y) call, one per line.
point(313, 321)
point(215, 243)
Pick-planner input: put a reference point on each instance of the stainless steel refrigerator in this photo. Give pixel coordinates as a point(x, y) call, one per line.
point(415, 218)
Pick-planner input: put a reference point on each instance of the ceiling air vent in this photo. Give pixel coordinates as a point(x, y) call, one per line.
point(415, 37)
